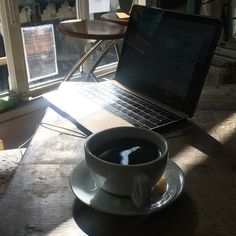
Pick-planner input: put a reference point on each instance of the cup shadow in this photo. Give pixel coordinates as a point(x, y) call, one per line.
point(180, 218)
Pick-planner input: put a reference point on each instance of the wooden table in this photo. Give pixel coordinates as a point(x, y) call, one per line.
point(39, 200)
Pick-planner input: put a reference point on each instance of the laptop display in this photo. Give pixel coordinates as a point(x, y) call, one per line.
point(160, 75)
point(166, 55)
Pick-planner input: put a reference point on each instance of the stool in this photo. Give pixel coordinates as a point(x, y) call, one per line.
point(95, 30)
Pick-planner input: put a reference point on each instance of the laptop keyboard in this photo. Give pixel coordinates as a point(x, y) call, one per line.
point(132, 108)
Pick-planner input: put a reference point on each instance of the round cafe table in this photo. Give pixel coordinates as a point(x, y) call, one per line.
point(98, 30)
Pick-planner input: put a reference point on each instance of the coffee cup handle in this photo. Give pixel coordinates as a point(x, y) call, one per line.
point(141, 194)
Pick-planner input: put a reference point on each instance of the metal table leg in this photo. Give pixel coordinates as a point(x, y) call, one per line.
point(83, 59)
point(110, 45)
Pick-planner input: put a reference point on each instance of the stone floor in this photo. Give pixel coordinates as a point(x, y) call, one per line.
point(9, 160)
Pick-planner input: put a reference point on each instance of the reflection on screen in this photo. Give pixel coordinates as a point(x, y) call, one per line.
point(174, 59)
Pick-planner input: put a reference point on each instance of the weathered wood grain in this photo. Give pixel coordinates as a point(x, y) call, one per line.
point(39, 200)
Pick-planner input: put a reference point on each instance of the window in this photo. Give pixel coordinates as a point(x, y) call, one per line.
point(37, 54)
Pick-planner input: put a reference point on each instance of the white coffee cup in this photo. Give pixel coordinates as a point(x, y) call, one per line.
point(134, 180)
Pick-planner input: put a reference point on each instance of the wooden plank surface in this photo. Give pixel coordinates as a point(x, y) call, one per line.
point(39, 200)
point(57, 141)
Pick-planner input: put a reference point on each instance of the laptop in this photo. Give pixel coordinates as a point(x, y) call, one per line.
point(162, 68)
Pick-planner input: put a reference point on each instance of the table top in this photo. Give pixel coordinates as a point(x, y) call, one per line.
point(112, 17)
point(92, 29)
point(39, 200)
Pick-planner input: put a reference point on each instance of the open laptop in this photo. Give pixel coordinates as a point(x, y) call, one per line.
point(162, 68)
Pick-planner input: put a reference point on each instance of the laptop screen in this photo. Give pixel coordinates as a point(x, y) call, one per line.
point(166, 55)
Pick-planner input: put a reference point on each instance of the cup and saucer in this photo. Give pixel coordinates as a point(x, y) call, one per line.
point(136, 189)
point(165, 193)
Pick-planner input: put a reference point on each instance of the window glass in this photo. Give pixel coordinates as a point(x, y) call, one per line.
point(49, 54)
point(97, 10)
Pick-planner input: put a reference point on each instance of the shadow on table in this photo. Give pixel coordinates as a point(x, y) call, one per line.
point(217, 152)
point(178, 219)
point(188, 212)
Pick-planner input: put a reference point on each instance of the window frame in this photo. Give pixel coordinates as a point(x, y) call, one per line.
point(18, 83)
point(13, 42)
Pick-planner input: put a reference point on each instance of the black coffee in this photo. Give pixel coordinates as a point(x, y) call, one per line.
point(129, 151)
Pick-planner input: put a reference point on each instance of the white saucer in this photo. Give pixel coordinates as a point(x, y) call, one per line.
point(86, 190)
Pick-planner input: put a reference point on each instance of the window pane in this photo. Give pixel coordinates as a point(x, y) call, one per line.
point(96, 10)
point(49, 54)
point(4, 84)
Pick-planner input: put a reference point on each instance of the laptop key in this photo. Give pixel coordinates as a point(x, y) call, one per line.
point(164, 121)
point(148, 124)
point(129, 107)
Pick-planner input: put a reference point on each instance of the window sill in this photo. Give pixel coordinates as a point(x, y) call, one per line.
point(38, 102)
point(23, 109)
